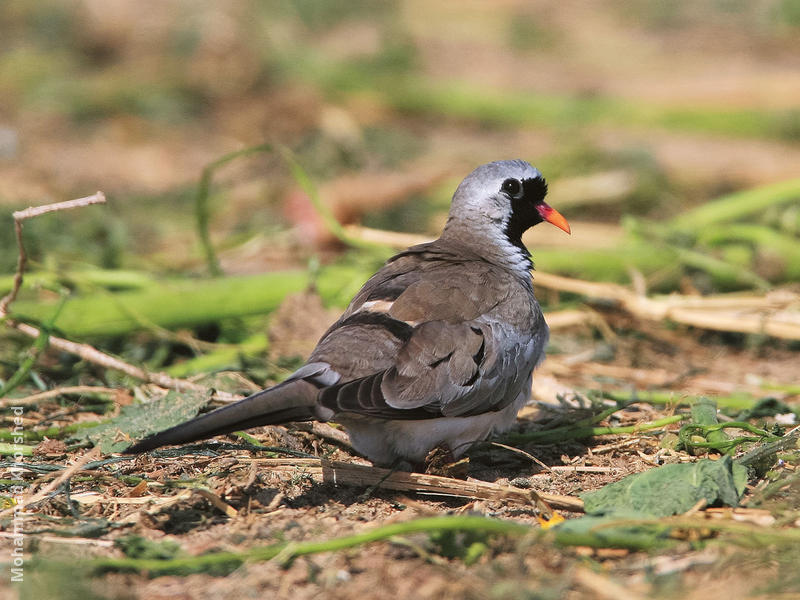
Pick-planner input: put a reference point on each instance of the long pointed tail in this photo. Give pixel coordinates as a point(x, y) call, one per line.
point(289, 401)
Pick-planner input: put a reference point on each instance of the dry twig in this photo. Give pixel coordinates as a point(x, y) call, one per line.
point(602, 586)
point(342, 473)
point(85, 351)
point(55, 393)
point(775, 314)
point(768, 314)
point(28, 213)
point(78, 465)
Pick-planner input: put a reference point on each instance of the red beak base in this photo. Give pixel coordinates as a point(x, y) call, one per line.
point(551, 215)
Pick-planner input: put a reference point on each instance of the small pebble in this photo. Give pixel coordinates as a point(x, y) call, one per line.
point(342, 575)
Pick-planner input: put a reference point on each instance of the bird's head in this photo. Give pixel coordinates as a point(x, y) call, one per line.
point(503, 198)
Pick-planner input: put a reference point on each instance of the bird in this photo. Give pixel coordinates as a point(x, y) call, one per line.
point(437, 349)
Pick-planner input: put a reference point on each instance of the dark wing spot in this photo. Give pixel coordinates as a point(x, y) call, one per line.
point(389, 290)
point(399, 329)
point(436, 363)
point(364, 397)
point(478, 356)
point(472, 379)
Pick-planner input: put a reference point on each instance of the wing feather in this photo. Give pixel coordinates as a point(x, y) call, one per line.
point(444, 350)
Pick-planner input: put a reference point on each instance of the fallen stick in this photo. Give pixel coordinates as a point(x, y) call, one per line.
point(95, 356)
point(342, 473)
point(769, 314)
point(85, 351)
point(28, 213)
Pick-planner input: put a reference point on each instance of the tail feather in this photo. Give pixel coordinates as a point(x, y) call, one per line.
point(289, 401)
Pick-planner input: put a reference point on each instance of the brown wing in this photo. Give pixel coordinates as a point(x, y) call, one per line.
point(424, 283)
point(416, 341)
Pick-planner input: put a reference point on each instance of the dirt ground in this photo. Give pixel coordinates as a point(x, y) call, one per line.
point(289, 504)
point(238, 84)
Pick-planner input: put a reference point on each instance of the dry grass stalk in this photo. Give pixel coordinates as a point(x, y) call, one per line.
point(55, 393)
point(54, 539)
point(341, 473)
point(85, 351)
point(95, 356)
point(28, 213)
point(77, 466)
point(326, 432)
point(218, 502)
point(579, 469)
point(602, 586)
point(773, 314)
point(757, 516)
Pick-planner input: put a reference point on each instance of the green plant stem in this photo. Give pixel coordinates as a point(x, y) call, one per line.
point(704, 416)
point(226, 561)
point(724, 274)
point(220, 358)
point(202, 210)
point(736, 206)
point(717, 440)
point(181, 303)
point(11, 449)
point(84, 278)
point(331, 223)
point(33, 353)
point(748, 534)
point(50, 432)
point(572, 432)
point(764, 238)
point(666, 398)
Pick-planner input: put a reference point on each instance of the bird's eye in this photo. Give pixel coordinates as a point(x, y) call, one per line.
point(512, 187)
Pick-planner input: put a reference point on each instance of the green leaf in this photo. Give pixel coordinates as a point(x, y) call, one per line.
point(671, 489)
point(140, 420)
point(605, 532)
point(135, 546)
point(765, 407)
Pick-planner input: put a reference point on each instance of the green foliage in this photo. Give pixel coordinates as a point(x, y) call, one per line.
point(467, 546)
point(613, 532)
point(670, 489)
point(319, 15)
point(788, 12)
point(96, 235)
point(51, 580)
point(139, 420)
point(706, 433)
point(526, 33)
point(135, 546)
point(713, 437)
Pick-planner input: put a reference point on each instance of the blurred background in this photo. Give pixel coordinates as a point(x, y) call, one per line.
point(232, 138)
point(638, 113)
point(629, 107)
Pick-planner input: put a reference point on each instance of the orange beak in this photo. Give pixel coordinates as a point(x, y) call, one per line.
point(551, 215)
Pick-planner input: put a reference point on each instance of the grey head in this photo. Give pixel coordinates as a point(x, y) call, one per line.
point(496, 203)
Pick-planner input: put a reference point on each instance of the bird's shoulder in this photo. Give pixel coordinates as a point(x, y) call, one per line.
point(426, 336)
point(436, 282)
